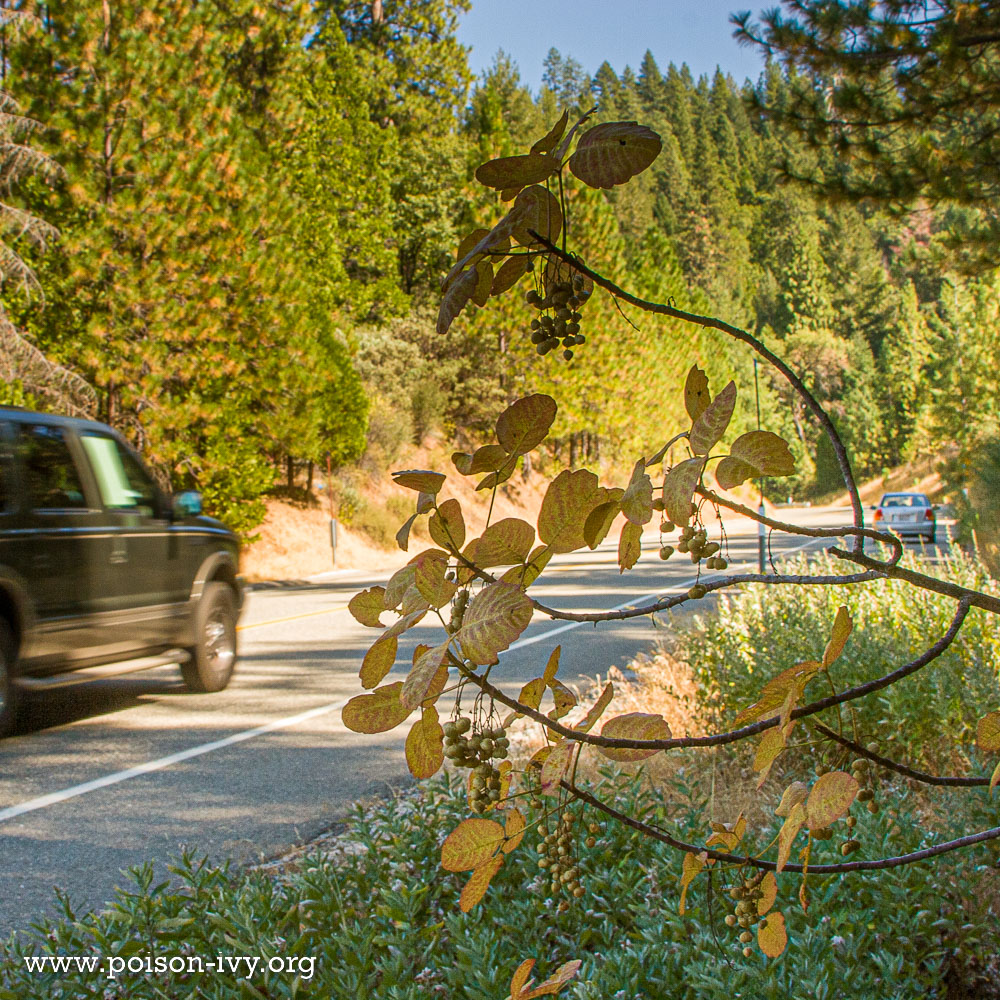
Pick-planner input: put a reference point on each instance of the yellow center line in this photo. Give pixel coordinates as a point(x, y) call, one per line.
point(291, 618)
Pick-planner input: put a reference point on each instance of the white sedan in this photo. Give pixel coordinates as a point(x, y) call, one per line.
point(907, 514)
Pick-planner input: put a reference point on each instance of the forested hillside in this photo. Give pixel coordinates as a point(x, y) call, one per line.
point(259, 200)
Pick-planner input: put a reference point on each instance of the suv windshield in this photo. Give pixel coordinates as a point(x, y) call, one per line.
point(905, 500)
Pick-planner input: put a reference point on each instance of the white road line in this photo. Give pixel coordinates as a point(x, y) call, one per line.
point(43, 801)
point(54, 798)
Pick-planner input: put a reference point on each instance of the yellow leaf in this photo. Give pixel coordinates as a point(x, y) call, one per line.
point(678, 489)
point(525, 423)
point(425, 745)
point(775, 692)
point(995, 780)
point(506, 771)
point(555, 982)
point(431, 578)
point(513, 831)
point(731, 472)
point(988, 732)
point(377, 712)
point(421, 480)
point(555, 767)
point(536, 210)
point(539, 758)
point(629, 546)
point(769, 893)
point(830, 798)
point(504, 543)
point(599, 521)
point(378, 661)
point(367, 606)
point(842, 626)
point(768, 750)
point(422, 675)
point(496, 616)
point(804, 858)
point(515, 171)
point(696, 394)
point(399, 583)
point(634, 726)
point(788, 832)
point(772, 936)
point(520, 978)
point(711, 424)
point(565, 700)
point(531, 693)
point(693, 866)
point(455, 299)
point(610, 154)
point(471, 843)
point(766, 452)
point(795, 793)
point(447, 526)
point(509, 274)
point(551, 666)
point(597, 709)
point(549, 141)
point(479, 882)
point(568, 501)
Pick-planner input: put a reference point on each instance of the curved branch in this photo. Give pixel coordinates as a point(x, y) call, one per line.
point(733, 735)
point(909, 772)
point(798, 529)
point(666, 603)
point(974, 597)
point(746, 860)
point(737, 334)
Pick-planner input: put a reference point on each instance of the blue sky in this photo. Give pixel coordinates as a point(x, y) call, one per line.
point(693, 31)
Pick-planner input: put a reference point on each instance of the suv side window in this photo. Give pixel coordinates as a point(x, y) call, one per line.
point(122, 481)
point(51, 476)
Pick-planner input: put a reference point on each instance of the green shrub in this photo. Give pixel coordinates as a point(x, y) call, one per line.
point(765, 629)
point(384, 922)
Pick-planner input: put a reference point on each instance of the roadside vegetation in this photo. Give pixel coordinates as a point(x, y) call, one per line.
point(239, 352)
point(374, 907)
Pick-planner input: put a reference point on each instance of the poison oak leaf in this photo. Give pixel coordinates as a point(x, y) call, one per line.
point(525, 423)
point(772, 936)
point(496, 616)
point(612, 153)
point(425, 745)
point(696, 395)
point(447, 526)
point(377, 712)
point(678, 489)
point(479, 882)
point(548, 142)
point(711, 424)
point(367, 606)
point(629, 546)
point(634, 726)
point(830, 798)
point(471, 843)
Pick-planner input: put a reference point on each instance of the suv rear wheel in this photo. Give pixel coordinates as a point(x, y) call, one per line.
point(9, 693)
point(214, 654)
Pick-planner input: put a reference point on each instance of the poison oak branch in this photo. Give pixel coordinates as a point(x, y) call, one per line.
point(975, 598)
point(734, 735)
point(746, 860)
point(737, 334)
point(892, 765)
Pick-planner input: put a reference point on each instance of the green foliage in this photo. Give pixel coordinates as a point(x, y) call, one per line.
point(764, 630)
point(381, 920)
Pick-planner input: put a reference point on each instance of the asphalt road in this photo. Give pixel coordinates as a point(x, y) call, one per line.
point(116, 773)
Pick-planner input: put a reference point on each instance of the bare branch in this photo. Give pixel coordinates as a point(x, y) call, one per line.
point(749, 861)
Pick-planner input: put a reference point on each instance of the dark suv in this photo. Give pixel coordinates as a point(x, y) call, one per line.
point(101, 572)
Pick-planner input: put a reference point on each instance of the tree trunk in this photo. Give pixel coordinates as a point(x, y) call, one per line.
point(290, 471)
point(572, 450)
point(310, 468)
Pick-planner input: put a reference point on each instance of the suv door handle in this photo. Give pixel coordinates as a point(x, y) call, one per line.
point(119, 551)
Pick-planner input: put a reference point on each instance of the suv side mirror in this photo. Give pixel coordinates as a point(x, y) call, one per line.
point(187, 504)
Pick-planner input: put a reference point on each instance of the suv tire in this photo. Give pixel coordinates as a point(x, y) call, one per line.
point(9, 692)
point(213, 655)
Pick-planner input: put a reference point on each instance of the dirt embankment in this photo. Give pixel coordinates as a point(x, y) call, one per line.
point(294, 540)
